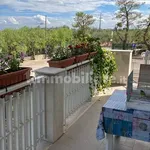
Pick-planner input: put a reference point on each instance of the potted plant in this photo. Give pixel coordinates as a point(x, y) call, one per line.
point(62, 58)
point(10, 71)
point(93, 46)
point(80, 52)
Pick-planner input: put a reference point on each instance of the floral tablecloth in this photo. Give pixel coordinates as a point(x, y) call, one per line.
point(116, 119)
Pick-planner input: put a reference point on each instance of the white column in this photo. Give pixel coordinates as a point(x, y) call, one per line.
point(109, 141)
point(130, 62)
point(124, 65)
point(54, 101)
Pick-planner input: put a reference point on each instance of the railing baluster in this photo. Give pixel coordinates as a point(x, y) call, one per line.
point(9, 123)
point(38, 109)
point(26, 119)
point(82, 87)
point(2, 125)
point(33, 115)
point(73, 90)
point(85, 89)
point(28, 115)
point(42, 100)
point(67, 97)
point(16, 119)
point(78, 89)
point(23, 99)
point(70, 94)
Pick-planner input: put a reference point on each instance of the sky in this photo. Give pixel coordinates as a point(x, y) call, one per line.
point(19, 13)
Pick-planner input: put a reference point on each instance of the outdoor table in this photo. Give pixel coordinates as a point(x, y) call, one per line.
point(117, 120)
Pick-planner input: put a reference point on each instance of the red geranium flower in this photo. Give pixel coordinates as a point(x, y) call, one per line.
point(78, 46)
point(70, 46)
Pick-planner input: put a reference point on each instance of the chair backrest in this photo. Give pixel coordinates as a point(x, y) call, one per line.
point(130, 86)
point(144, 76)
point(147, 57)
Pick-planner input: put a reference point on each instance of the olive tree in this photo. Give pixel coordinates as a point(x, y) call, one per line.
point(127, 16)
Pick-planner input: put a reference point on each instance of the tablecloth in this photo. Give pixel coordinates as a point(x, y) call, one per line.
point(116, 119)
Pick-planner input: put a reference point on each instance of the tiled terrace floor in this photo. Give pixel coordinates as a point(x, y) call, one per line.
point(81, 135)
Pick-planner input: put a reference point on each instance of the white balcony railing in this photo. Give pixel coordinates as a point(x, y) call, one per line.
point(22, 115)
point(77, 91)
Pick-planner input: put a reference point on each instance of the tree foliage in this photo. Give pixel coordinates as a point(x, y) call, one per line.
point(146, 35)
point(127, 16)
point(104, 34)
point(34, 41)
point(144, 31)
point(82, 24)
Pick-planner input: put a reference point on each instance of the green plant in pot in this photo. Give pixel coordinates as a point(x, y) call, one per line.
point(10, 70)
point(62, 58)
point(15, 60)
point(103, 66)
point(79, 51)
point(93, 46)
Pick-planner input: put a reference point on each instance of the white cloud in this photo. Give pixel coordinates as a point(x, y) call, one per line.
point(35, 21)
point(13, 20)
point(3, 22)
point(56, 6)
point(41, 19)
point(108, 21)
point(3, 2)
point(59, 7)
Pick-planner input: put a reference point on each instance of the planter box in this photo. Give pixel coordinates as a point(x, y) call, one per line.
point(62, 63)
point(12, 78)
point(92, 54)
point(81, 58)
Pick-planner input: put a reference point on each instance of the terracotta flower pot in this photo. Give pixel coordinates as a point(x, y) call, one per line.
point(62, 63)
point(81, 58)
point(14, 77)
point(92, 54)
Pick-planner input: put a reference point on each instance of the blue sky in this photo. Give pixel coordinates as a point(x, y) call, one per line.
point(18, 13)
